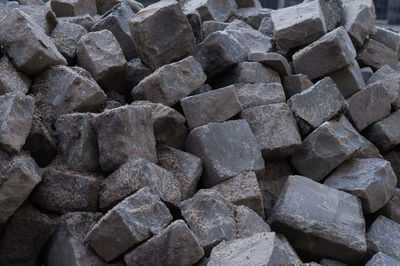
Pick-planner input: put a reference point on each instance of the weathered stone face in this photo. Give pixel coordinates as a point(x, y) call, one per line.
point(162, 34)
point(375, 54)
point(392, 208)
point(381, 258)
point(11, 80)
point(327, 217)
point(65, 8)
point(388, 37)
point(219, 10)
point(390, 79)
point(226, 149)
point(349, 79)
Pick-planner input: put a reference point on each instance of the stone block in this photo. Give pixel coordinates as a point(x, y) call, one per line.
point(392, 208)
point(11, 80)
point(375, 54)
point(68, 8)
point(272, 60)
point(349, 79)
point(390, 79)
point(296, 84)
point(219, 10)
point(388, 37)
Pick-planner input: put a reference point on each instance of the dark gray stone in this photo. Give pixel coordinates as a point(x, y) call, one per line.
point(393, 157)
point(136, 72)
point(275, 129)
point(385, 134)
point(375, 54)
point(162, 33)
point(326, 148)
point(100, 53)
point(384, 236)
point(229, 53)
point(298, 25)
point(41, 15)
point(391, 81)
point(359, 21)
point(259, 249)
point(317, 104)
point(134, 175)
point(185, 167)
point(213, 26)
point(129, 223)
point(329, 262)
point(125, 133)
point(176, 245)
point(242, 4)
point(29, 48)
point(202, 89)
point(116, 20)
point(194, 19)
point(273, 60)
point(242, 189)
point(16, 111)
point(381, 259)
point(86, 21)
point(24, 236)
point(226, 149)
point(296, 84)
point(20, 175)
point(366, 150)
point(169, 124)
point(267, 28)
point(247, 72)
point(369, 106)
point(63, 191)
point(392, 208)
point(210, 107)
point(366, 73)
point(317, 59)
point(77, 142)
point(388, 37)
point(170, 83)
point(68, 245)
point(219, 10)
point(332, 11)
point(210, 217)
point(11, 80)
point(349, 79)
point(251, 15)
point(248, 222)
point(66, 37)
point(66, 8)
point(371, 180)
point(320, 221)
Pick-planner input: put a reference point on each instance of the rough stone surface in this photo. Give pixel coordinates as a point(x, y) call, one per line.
point(256, 94)
point(176, 245)
point(317, 59)
point(24, 236)
point(169, 124)
point(213, 26)
point(63, 191)
point(359, 21)
point(298, 25)
point(388, 37)
point(381, 259)
point(86, 21)
point(132, 221)
point(132, 134)
point(185, 167)
point(248, 222)
point(100, 53)
point(20, 175)
point(371, 180)
point(217, 225)
point(219, 10)
point(229, 53)
point(11, 80)
point(385, 134)
point(392, 208)
point(136, 72)
point(332, 11)
point(366, 73)
point(326, 148)
point(369, 106)
point(30, 49)
point(320, 221)
point(68, 8)
point(317, 104)
point(170, 83)
point(226, 150)
point(366, 150)
point(77, 142)
point(16, 111)
point(375, 54)
point(68, 245)
point(210, 107)
point(349, 79)
point(134, 175)
point(251, 15)
point(162, 33)
point(273, 60)
point(391, 81)
point(275, 129)
point(242, 4)
point(242, 189)
point(247, 72)
point(117, 20)
point(296, 84)
point(66, 37)
point(384, 236)
point(259, 249)
point(195, 22)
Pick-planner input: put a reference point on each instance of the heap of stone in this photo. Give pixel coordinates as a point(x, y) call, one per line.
point(198, 132)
